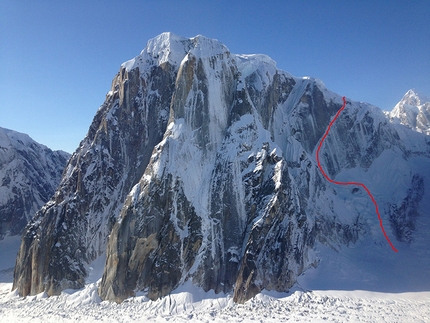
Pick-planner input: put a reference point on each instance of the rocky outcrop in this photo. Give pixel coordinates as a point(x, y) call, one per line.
point(208, 203)
point(29, 175)
point(200, 166)
point(72, 228)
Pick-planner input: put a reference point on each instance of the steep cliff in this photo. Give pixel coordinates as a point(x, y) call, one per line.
point(72, 228)
point(200, 166)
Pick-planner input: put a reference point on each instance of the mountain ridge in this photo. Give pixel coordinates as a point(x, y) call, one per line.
point(200, 166)
point(413, 111)
point(29, 175)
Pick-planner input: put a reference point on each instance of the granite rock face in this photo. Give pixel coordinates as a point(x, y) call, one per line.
point(200, 166)
point(72, 228)
point(29, 174)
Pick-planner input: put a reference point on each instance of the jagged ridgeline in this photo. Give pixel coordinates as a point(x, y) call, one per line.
point(200, 166)
point(29, 174)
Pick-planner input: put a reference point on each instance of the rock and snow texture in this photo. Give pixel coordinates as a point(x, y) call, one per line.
point(29, 175)
point(413, 111)
point(191, 304)
point(200, 168)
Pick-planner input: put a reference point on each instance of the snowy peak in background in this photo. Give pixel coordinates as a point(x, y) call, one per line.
point(414, 98)
point(413, 111)
point(29, 174)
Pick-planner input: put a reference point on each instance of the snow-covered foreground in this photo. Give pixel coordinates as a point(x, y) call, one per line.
point(195, 306)
point(190, 304)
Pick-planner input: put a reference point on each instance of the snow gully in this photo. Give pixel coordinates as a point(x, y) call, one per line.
point(350, 183)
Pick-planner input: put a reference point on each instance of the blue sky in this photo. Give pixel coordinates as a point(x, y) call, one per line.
point(57, 58)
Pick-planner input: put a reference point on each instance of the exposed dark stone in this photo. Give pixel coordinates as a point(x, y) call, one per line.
point(109, 162)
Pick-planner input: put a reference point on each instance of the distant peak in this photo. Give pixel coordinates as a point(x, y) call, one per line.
point(412, 111)
point(415, 98)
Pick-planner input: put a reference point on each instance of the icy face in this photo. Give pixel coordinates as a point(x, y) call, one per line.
point(165, 48)
point(29, 175)
point(413, 111)
point(200, 167)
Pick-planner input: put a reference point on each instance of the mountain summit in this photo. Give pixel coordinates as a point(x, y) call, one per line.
point(413, 111)
point(200, 167)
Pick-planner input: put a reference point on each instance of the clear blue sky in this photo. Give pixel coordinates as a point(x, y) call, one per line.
point(57, 58)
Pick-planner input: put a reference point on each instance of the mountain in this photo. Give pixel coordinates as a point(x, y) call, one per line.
point(29, 175)
point(200, 167)
point(413, 111)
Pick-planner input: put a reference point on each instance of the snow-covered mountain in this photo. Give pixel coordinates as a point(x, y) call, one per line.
point(413, 111)
point(200, 167)
point(29, 175)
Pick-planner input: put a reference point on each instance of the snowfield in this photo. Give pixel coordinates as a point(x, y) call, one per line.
point(196, 306)
point(192, 304)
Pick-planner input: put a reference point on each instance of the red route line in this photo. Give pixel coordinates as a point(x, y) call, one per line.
point(350, 183)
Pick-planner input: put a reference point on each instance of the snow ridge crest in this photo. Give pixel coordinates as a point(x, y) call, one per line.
point(171, 48)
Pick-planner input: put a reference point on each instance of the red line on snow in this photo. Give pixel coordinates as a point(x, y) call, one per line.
point(350, 183)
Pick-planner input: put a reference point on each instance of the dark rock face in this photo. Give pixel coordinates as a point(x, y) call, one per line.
point(200, 167)
point(29, 175)
point(212, 231)
point(71, 229)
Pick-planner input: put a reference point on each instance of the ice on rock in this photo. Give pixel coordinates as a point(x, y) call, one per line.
point(164, 48)
point(200, 169)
